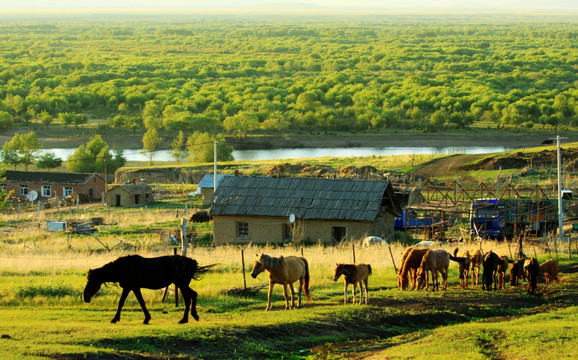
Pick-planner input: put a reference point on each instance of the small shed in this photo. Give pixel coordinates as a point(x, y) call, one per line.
point(206, 188)
point(130, 194)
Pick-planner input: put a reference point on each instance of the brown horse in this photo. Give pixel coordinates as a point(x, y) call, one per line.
point(502, 267)
point(134, 272)
point(517, 271)
point(409, 266)
point(284, 271)
point(433, 261)
point(532, 270)
point(354, 274)
point(550, 269)
point(476, 259)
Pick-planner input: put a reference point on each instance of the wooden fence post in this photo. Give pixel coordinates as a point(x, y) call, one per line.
point(244, 278)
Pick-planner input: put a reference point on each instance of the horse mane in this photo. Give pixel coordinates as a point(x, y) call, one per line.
point(271, 262)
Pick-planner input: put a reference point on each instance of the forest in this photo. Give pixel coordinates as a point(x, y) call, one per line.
point(240, 75)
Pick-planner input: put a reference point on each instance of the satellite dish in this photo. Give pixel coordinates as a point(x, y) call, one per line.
point(32, 195)
point(292, 218)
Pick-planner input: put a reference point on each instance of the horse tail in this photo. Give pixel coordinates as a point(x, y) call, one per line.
point(189, 268)
point(306, 279)
point(368, 269)
point(456, 252)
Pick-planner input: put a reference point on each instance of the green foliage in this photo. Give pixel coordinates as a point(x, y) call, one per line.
point(21, 149)
point(202, 149)
point(48, 161)
point(46, 291)
point(92, 156)
point(150, 141)
point(346, 74)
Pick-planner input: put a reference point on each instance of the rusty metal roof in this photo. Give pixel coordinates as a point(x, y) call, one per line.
point(306, 198)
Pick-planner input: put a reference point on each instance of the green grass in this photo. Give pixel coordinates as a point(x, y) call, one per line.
point(43, 315)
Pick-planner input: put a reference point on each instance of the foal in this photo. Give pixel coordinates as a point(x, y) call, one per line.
point(354, 274)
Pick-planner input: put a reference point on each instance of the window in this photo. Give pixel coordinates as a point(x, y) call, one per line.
point(67, 191)
point(243, 230)
point(3, 187)
point(23, 190)
point(46, 191)
point(338, 234)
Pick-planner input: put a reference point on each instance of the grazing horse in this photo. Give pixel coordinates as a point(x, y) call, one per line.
point(354, 274)
point(476, 259)
point(550, 269)
point(517, 271)
point(463, 267)
point(490, 270)
point(433, 261)
point(284, 271)
point(502, 267)
point(134, 272)
point(409, 267)
point(532, 270)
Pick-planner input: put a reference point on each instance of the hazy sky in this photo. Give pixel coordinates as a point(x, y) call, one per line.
point(329, 4)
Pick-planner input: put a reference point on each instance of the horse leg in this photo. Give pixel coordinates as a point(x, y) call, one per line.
point(345, 292)
point(299, 293)
point(190, 297)
point(285, 294)
point(292, 290)
point(123, 296)
point(141, 301)
point(269, 296)
point(366, 292)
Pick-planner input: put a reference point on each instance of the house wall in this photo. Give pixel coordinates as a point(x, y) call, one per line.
point(96, 184)
point(127, 198)
point(207, 194)
point(272, 230)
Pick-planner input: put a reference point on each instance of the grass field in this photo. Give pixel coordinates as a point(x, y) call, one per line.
point(43, 316)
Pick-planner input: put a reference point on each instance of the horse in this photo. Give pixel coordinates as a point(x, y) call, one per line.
point(354, 274)
point(284, 271)
point(532, 270)
point(433, 261)
point(490, 271)
point(476, 259)
point(502, 267)
point(463, 267)
point(517, 271)
point(550, 269)
point(134, 272)
point(409, 266)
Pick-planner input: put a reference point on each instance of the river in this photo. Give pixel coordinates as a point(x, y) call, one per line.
point(274, 154)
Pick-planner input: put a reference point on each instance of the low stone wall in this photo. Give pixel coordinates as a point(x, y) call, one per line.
point(173, 175)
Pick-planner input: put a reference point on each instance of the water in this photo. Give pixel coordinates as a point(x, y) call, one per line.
point(274, 154)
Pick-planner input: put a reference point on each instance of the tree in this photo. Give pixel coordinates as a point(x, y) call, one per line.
point(91, 157)
point(150, 141)
point(179, 152)
point(5, 120)
point(21, 149)
point(4, 196)
point(48, 161)
point(201, 147)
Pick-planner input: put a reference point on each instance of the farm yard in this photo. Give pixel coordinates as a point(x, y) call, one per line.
point(42, 275)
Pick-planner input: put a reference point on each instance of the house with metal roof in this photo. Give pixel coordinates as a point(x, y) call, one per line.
point(279, 210)
point(206, 187)
point(45, 185)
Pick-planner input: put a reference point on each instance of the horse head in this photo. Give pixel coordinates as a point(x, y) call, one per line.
point(92, 286)
point(259, 267)
point(338, 271)
point(420, 277)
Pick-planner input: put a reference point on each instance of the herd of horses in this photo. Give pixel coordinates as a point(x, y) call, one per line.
point(133, 272)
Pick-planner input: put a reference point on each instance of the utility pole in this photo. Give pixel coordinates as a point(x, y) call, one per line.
point(560, 203)
point(215, 170)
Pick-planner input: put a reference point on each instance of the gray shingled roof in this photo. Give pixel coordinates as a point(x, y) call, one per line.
point(307, 198)
point(44, 177)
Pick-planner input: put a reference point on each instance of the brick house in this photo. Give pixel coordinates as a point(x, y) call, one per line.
point(48, 185)
point(280, 210)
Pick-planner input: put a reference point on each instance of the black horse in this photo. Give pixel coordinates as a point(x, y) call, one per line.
point(134, 272)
